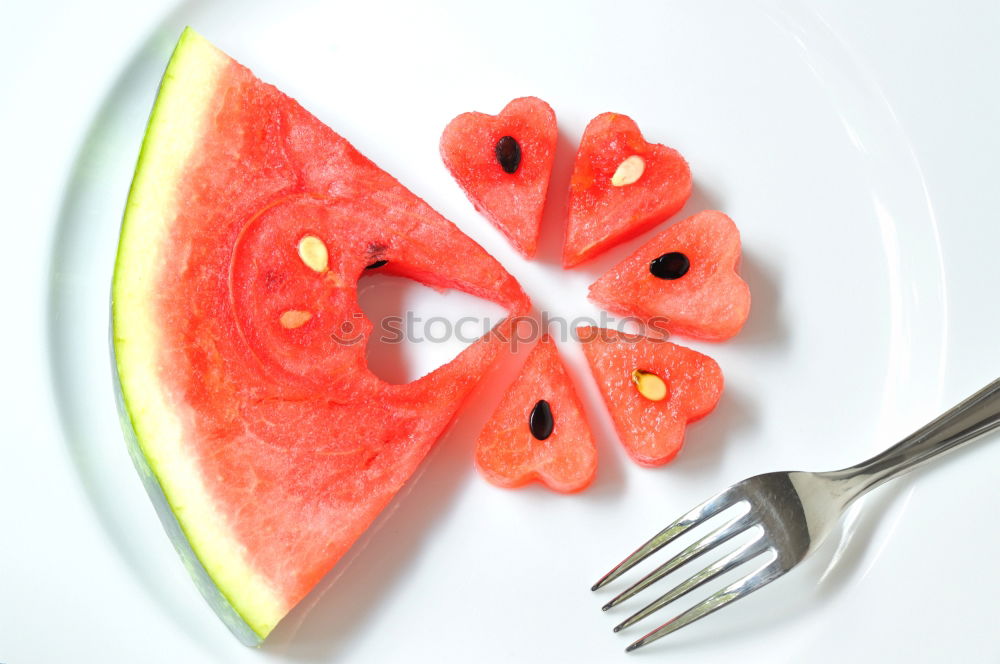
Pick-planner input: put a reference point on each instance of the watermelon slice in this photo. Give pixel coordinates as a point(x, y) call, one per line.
point(263, 438)
point(621, 186)
point(685, 277)
point(651, 422)
point(503, 163)
point(538, 431)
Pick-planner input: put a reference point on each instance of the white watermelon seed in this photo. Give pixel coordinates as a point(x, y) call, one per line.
point(294, 318)
point(628, 171)
point(313, 253)
point(649, 385)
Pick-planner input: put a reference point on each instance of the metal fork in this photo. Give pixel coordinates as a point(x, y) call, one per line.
point(791, 514)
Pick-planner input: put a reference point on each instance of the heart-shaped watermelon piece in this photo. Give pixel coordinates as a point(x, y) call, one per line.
point(503, 163)
point(621, 186)
point(650, 421)
point(539, 431)
point(684, 280)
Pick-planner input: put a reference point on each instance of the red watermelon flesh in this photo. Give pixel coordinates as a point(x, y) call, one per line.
point(652, 432)
point(512, 201)
point(240, 345)
point(601, 214)
point(508, 453)
point(709, 301)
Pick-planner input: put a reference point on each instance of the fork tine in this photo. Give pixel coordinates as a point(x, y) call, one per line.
point(699, 514)
point(731, 593)
point(705, 544)
point(745, 553)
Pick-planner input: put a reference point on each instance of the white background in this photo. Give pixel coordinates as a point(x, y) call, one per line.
point(462, 571)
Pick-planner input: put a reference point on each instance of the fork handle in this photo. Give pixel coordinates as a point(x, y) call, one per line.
point(974, 417)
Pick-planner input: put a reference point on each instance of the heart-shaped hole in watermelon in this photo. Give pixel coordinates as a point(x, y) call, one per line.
point(415, 328)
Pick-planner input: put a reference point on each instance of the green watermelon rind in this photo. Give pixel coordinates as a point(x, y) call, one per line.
point(241, 597)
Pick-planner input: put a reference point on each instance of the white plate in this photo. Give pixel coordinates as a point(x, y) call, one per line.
point(786, 130)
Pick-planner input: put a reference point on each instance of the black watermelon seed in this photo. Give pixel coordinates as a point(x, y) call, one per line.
point(670, 266)
point(540, 421)
point(376, 264)
point(508, 153)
